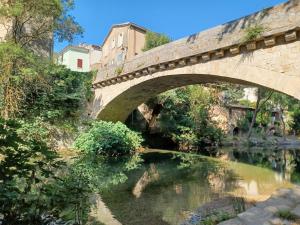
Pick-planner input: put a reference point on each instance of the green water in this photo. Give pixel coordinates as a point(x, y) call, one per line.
point(169, 186)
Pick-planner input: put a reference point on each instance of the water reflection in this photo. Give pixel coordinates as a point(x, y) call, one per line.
point(170, 186)
point(149, 176)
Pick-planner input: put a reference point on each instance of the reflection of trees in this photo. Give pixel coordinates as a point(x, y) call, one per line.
point(188, 181)
point(87, 176)
point(182, 187)
point(284, 161)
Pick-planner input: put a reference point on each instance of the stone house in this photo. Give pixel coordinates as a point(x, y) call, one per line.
point(123, 42)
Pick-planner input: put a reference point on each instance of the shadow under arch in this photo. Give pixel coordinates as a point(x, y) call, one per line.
point(120, 107)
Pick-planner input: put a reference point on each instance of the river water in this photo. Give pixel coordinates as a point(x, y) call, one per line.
point(170, 186)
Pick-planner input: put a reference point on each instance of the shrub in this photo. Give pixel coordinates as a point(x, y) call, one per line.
point(109, 139)
point(253, 33)
point(154, 40)
point(26, 166)
point(287, 215)
point(216, 218)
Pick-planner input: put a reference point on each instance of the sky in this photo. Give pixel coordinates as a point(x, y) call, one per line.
point(175, 18)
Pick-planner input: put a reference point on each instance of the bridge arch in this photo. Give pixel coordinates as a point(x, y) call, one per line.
point(270, 68)
point(219, 54)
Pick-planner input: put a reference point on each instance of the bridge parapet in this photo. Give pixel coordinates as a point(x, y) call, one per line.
point(280, 24)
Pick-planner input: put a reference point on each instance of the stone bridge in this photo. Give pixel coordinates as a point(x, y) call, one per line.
point(269, 59)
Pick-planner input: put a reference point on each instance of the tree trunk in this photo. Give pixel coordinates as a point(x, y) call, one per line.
point(283, 124)
point(257, 108)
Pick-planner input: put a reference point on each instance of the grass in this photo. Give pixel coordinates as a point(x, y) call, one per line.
point(253, 33)
point(119, 70)
point(216, 218)
point(286, 214)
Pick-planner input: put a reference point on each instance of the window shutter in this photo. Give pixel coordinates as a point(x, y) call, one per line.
point(79, 63)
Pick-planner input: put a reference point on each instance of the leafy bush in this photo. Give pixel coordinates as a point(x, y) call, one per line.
point(253, 33)
point(154, 40)
point(26, 165)
point(296, 121)
point(109, 139)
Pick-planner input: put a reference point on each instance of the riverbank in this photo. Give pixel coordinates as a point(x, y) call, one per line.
point(261, 142)
point(283, 207)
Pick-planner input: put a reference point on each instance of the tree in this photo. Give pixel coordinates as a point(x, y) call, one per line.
point(262, 98)
point(185, 117)
point(30, 22)
point(154, 40)
point(30, 26)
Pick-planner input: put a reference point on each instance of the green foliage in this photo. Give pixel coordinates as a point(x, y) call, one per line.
point(108, 139)
point(21, 73)
point(85, 178)
point(119, 70)
point(186, 119)
point(65, 98)
point(296, 121)
point(216, 218)
point(26, 165)
point(244, 122)
point(239, 205)
point(154, 40)
point(286, 214)
point(44, 17)
point(232, 93)
point(252, 33)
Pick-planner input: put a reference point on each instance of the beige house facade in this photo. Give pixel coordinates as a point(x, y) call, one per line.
point(123, 42)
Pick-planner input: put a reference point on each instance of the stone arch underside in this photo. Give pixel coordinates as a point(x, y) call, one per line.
point(276, 68)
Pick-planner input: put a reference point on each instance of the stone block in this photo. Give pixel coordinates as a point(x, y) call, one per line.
point(182, 62)
point(234, 50)
point(162, 66)
point(290, 36)
point(251, 46)
point(152, 69)
point(296, 211)
point(172, 65)
point(255, 216)
point(193, 60)
point(231, 222)
point(220, 53)
point(205, 57)
point(270, 41)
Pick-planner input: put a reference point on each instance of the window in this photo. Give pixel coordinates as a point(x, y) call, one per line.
point(113, 43)
point(79, 63)
point(120, 39)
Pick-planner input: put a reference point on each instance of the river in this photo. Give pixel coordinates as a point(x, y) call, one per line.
point(170, 187)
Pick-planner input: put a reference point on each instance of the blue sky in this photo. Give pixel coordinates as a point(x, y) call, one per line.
point(176, 18)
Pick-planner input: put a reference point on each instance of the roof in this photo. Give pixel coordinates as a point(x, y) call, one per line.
point(124, 25)
point(232, 106)
point(72, 47)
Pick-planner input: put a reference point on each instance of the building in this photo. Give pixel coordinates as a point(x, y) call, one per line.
point(123, 42)
point(82, 58)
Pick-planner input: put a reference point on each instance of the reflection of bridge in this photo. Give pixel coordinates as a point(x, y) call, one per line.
point(272, 60)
